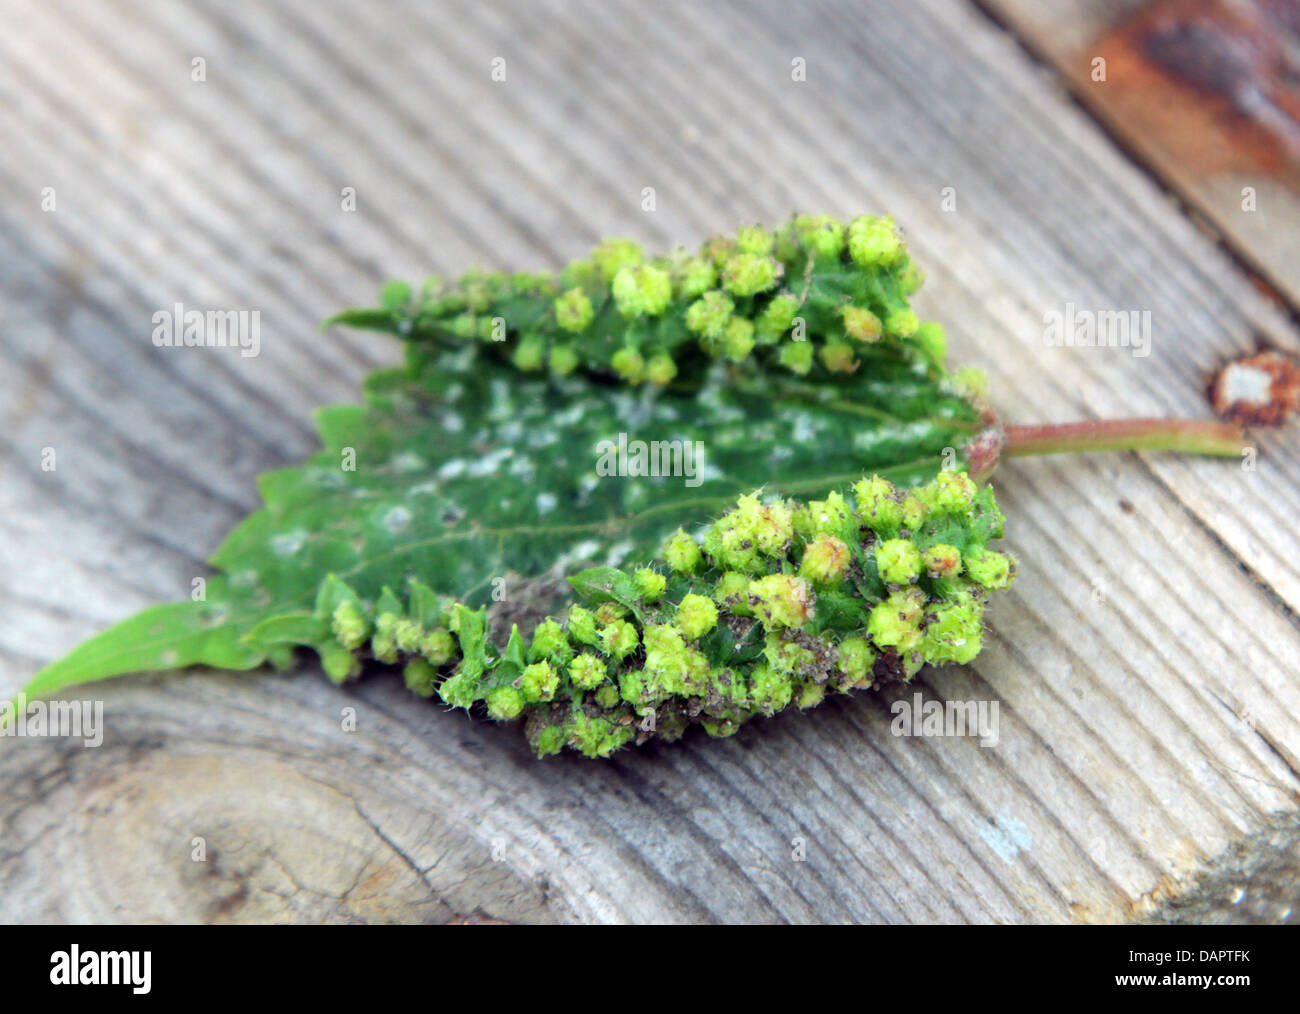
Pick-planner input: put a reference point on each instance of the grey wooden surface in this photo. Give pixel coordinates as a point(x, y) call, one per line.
point(1147, 663)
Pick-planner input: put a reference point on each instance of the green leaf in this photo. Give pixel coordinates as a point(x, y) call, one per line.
point(470, 464)
point(161, 637)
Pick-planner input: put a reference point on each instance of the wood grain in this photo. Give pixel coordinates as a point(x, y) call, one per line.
point(1205, 94)
point(1146, 665)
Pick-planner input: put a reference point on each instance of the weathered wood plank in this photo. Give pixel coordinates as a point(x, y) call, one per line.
point(1123, 662)
point(1204, 93)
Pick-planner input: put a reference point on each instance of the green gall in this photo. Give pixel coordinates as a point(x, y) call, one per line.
point(902, 323)
point(782, 600)
point(898, 560)
point(661, 369)
point(671, 667)
point(910, 278)
point(896, 622)
point(464, 326)
point(857, 661)
point(752, 239)
point(482, 289)
point(339, 664)
point(549, 642)
point(811, 695)
point(615, 254)
point(529, 283)
point(861, 324)
point(769, 691)
point(914, 512)
point(460, 690)
point(879, 504)
point(650, 584)
point(619, 639)
point(825, 560)
point(694, 277)
point(407, 635)
point(582, 625)
point(631, 687)
point(708, 316)
point(628, 364)
point(549, 740)
point(420, 677)
point(538, 682)
point(696, 616)
point(738, 340)
point(954, 631)
point(438, 647)
point(990, 568)
point(530, 353)
point(573, 311)
point(718, 249)
point(838, 357)
point(562, 360)
point(787, 657)
point(777, 318)
point(350, 625)
point(773, 528)
point(942, 561)
point(608, 612)
point(738, 538)
point(948, 493)
point(833, 516)
point(587, 671)
point(822, 235)
point(874, 242)
point(797, 357)
point(748, 274)
point(643, 291)
point(803, 524)
point(383, 645)
point(598, 737)
point(504, 703)
point(720, 728)
point(682, 554)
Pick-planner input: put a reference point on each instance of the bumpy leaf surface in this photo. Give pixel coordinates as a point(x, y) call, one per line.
point(792, 359)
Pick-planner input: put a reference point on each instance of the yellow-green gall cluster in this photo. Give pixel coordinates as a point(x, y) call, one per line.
point(778, 604)
point(745, 538)
point(642, 291)
point(813, 297)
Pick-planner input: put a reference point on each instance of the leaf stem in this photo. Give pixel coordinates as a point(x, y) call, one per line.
point(1191, 436)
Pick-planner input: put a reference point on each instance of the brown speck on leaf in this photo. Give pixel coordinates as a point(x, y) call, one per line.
point(1258, 390)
